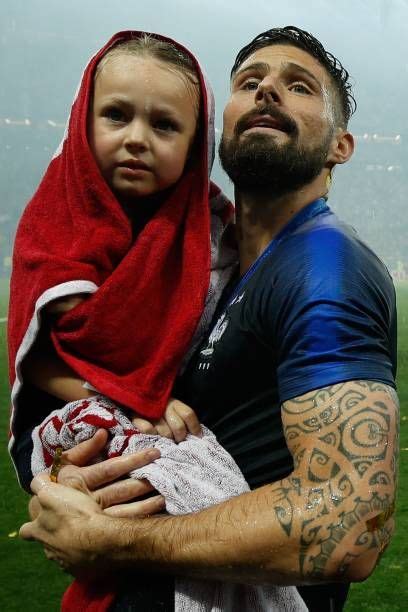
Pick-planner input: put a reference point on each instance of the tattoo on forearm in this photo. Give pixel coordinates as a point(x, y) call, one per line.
point(344, 443)
point(283, 508)
point(315, 565)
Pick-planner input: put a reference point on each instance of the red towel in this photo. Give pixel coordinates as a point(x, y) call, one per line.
point(83, 596)
point(146, 296)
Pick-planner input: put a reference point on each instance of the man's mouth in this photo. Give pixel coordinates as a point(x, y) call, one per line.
point(265, 121)
point(268, 118)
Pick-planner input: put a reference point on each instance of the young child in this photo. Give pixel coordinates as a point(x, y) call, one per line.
point(112, 255)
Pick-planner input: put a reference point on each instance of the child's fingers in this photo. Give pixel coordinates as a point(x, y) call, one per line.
point(176, 424)
point(155, 428)
point(163, 428)
point(144, 426)
point(188, 416)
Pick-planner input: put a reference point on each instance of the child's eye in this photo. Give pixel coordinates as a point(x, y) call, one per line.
point(300, 88)
point(114, 114)
point(165, 125)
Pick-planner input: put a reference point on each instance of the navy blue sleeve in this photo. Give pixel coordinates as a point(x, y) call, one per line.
point(23, 449)
point(332, 314)
point(34, 406)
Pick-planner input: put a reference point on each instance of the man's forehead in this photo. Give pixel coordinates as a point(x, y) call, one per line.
point(278, 56)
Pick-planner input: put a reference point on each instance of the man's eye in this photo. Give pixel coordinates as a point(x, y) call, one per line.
point(165, 125)
point(114, 114)
point(300, 88)
point(250, 84)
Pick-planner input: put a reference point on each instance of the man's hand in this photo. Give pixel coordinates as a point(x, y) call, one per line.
point(65, 521)
point(84, 494)
point(106, 481)
point(65, 513)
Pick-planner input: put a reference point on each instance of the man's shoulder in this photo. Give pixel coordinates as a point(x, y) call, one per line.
point(326, 236)
point(327, 262)
point(327, 247)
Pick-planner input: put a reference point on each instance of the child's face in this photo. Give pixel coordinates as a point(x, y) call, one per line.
point(142, 124)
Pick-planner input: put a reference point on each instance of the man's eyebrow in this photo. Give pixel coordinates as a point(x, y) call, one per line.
point(302, 70)
point(261, 67)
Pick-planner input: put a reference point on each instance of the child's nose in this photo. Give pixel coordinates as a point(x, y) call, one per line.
point(136, 135)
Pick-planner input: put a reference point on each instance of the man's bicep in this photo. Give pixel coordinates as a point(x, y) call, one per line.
point(344, 441)
point(353, 424)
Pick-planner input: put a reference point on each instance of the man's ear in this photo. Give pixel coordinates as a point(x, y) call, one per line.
point(341, 148)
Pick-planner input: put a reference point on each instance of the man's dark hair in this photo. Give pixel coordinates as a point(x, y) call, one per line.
point(291, 35)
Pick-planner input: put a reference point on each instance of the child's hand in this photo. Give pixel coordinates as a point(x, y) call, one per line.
point(64, 304)
point(178, 420)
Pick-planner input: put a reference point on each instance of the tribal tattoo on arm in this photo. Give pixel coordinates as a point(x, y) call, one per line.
point(339, 501)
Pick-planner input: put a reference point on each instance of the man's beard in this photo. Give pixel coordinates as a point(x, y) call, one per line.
point(256, 163)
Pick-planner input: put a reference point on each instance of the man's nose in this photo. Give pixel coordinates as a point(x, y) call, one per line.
point(268, 91)
point(137, 135)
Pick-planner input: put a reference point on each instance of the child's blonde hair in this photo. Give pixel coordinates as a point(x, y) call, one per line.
point(148, 45)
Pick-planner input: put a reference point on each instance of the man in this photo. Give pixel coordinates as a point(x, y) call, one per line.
point(297, 376)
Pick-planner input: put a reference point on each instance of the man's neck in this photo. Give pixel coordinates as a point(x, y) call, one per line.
point(260, 217)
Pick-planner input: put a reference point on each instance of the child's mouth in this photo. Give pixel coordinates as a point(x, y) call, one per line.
point(133, 169)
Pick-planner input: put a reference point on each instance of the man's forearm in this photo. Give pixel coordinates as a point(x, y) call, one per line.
point(328, 521)
point(238, 540)
point(242, 540)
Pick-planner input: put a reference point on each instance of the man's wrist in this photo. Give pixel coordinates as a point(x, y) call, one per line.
point(129, 543)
